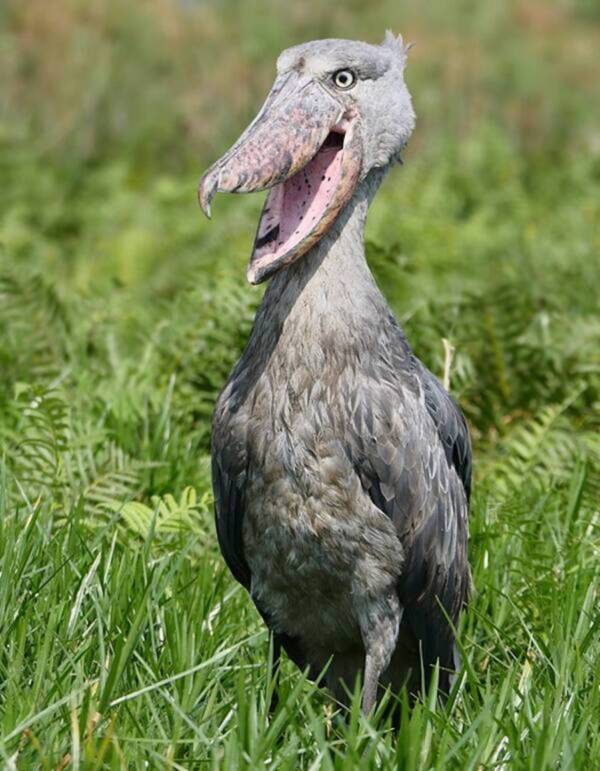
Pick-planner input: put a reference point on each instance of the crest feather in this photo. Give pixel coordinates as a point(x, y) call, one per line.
point(396, 44)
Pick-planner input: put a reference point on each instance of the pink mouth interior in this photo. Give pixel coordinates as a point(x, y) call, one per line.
point(296, 206)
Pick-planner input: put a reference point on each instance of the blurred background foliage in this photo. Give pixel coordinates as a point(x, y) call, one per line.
point(116, 287)
point(122, 309)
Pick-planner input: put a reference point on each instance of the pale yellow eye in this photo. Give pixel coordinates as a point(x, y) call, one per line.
point(344, 79)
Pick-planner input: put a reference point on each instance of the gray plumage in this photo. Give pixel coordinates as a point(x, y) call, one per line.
point(342, 467)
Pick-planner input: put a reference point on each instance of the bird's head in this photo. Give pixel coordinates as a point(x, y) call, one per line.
point(337, 109)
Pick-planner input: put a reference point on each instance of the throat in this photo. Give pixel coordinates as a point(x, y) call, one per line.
point(332, 280)
point(325, 309)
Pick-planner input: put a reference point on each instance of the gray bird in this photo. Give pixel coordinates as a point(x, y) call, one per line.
point(341, 466)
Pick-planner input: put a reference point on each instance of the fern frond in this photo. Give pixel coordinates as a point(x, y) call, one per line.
point(33, 322)
point(40, 438)
point(165, 516)
point(538, 452)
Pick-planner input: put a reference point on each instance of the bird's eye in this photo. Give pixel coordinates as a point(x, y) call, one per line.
point(344, 79)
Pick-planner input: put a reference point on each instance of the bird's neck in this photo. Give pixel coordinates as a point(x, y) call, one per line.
point(332, 281)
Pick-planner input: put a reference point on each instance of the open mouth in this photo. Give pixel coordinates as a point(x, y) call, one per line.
point(295, 206)
point(299, 210)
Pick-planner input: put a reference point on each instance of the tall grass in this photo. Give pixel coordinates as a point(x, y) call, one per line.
point(124, 642)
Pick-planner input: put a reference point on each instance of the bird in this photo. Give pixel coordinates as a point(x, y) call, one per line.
point(341, 467)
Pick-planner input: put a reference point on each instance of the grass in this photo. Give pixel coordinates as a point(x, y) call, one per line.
point(115, 657)
point(124, 642)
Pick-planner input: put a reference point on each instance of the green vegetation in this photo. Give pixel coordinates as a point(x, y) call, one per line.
point(124, 642)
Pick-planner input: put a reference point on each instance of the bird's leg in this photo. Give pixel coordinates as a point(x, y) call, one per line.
point(374, 667)
point(379, 626)
point(275, 660)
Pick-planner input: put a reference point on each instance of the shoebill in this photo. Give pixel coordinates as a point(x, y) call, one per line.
point(341, 466)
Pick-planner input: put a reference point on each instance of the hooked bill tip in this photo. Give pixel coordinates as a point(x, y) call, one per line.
point(207, 190)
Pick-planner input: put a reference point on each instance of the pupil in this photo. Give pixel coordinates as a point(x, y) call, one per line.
point(344, 78)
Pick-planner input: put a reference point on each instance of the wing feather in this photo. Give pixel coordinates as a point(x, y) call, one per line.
point(416, 463)
point(228, 490)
